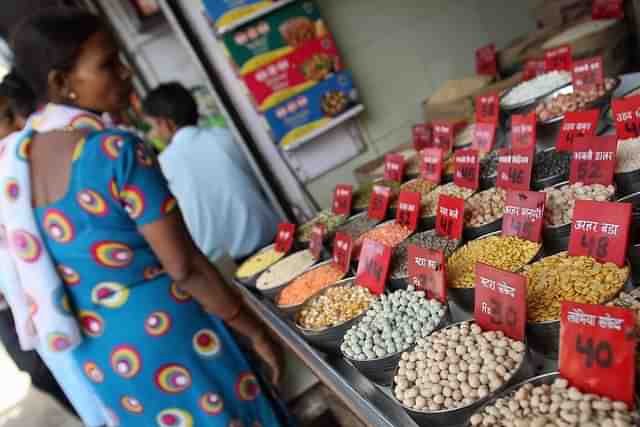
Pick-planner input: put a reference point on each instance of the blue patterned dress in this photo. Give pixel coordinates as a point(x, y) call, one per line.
point(154, 356)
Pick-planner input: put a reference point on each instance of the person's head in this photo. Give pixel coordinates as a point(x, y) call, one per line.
point(69, 56)
point(168, 108)
point(17, 102)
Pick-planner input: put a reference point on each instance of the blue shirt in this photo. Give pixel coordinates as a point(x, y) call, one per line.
point(217, 192)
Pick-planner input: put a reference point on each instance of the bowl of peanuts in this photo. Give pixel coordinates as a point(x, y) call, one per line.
point(327, 316)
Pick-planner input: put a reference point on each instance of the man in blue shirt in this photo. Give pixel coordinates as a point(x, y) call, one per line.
point(208, 173)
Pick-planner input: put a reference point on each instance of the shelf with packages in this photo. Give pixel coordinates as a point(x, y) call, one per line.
point(262, 12)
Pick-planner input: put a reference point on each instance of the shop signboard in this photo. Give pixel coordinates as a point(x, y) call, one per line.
point(373, 266)
point(467, 169)
point(558, 59)
point(576, 124)
point(431, 165)
point(342, 251)
point(450, 217)
point(514, 169)
point(600, 230)
point(284, 237)
point(523, 214)
point(593, 160)
point(598, 350)
point(500, 301)
point(408, 210)
point(342, 199)
point(626, 115)
point(427, 272)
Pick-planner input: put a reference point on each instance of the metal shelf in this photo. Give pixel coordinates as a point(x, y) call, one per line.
point(262, 12)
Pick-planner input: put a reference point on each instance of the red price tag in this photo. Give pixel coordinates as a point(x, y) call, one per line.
point(380, 196)
point(373, 266)
point(342, 198)
point(284, 237)
point(342, 250)
point(443, 134)
point(427, 272)
point(523, 130)
point(514, 168)
point(450, 217)
point(487, 108)
point(600, 230)
point(500, 301)
point(484, 135)
point(607, 9)
point(394, 167)
point(533, 68)
point(626, 113)
point(558, 58)
point(598, 350)
point(576, 124)
point(317, 237)
point(408, 210)
point(467, 169)
point(523, 214)
point(422, 136)
point(486, 61)
point(587, 74)
point(594, 160)
point(431, 165)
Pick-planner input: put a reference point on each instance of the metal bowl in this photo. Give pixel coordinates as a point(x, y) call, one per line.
point(382, 370)
point(633, 198)
point(460, 416)
point(521, 106)
point(272, 293)
point(251, 280)
point(328, 339)
point(472, 233)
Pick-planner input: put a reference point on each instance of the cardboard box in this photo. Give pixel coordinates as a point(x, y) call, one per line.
point(312, 109)
point(550, 13)
point(224, 13)
point(273, 36)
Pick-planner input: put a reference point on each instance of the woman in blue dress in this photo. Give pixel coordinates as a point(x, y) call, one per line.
point(152, 311)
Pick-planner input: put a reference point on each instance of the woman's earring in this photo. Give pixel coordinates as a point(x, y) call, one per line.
point(72, 96)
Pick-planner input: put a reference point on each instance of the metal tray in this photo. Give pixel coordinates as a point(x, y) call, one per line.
point(515, 108)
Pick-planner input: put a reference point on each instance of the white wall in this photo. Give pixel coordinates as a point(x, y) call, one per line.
point(401, 51)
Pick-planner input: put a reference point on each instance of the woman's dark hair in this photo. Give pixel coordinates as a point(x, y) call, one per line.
point(50, 40)
point(21, 99)
point(172, 101)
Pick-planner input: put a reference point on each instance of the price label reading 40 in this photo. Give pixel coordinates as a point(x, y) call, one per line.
point(431, 165)
point(422, 136)
point(342, 199)
point(487, 108)
point(450, 217)
point(317, 237)
point(373, 266)
point(523, 213)
point(626, 114)
point(284, 237)
point(523, 130)
point(427, 272)
point(598, 350)
point(379, 202)
point(514, 168)
point(576, 124)
point(500, 301)
point(408, 210)
point(593, 160)
point(484, 135)
point(466, 169)
point(342, 249)
point(600, 230)
point(443, 134)
point(394, 167)
point(558, 58)
point(486, 61)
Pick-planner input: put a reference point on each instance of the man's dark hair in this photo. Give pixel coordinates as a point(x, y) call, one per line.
point(172, 101)
point(20, 98)
point(51, 40)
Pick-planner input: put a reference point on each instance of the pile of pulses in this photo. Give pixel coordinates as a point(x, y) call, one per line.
point(259, 262)
point(562, 277)
point(420, 185)
point(456, 367)
point(362, 196)
point(428, 239)
point(330, 220)
point(306, 285)
point(430, 201)
point(562, 200)
point(484, 207)
point(285, 270)
point(549, 164)
point(392, 324)
point(535, 88)
point(574, 101)
point(628, 156)
point(390, 234)
point(554, 405)
point(357, 225)
point(334, 306)
point(507, 253)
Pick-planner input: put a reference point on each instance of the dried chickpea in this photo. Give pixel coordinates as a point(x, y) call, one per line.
point(334, 306)
point(484, 207)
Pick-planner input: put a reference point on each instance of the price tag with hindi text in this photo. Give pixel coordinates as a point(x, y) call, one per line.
point(379, 202)
point(373, 266)
point(431, 165)
point(422, 136)
point(607, 9)
point(523, 130)
point(342, 250)
point(593, 160)
point(626, 116)
point(394, 167)
point(576, 124)
point(500, 301)
point(523, 214)
point(487, 108)
point(450, 217)
point(467, 169)
point(284, 237)
point(514, 168)
point(598, 350)
point(533, 68)
point(342, 198)
point(484, 135)
point(317, 237)
point(600, 230)
point(427, 272)
point(558, 59)
point(443, 134)
point(587, 74)
point(486, 60)
point(408, 210)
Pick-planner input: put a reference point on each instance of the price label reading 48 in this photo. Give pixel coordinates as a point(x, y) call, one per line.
point(500, 301)
point(598, 350)
point(373, 266)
